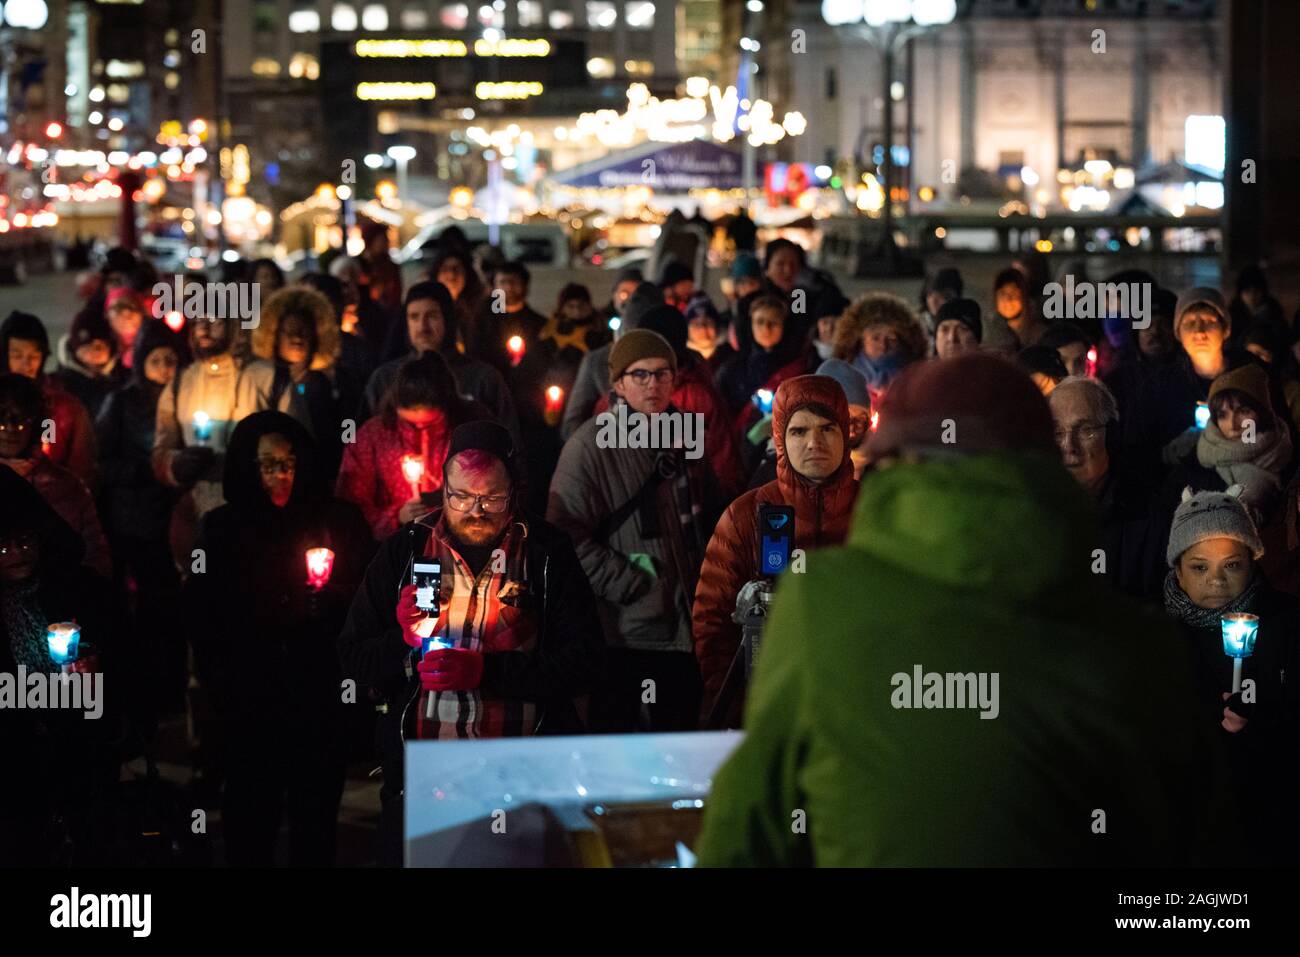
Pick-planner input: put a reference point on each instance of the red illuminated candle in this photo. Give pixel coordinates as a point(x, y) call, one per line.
point(413, 471)
point(515, 346)
point(320, 565)
point(1092, 362)
point(554, 404)
point(875, 420)
point(175, 321)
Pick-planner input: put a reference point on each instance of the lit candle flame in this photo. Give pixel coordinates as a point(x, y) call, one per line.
point(412, 468)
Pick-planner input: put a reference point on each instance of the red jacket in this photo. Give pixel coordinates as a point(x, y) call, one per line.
point(73, 447)
point(694, 391)
point(371, 473)
point(822, 514)
point(70, 498)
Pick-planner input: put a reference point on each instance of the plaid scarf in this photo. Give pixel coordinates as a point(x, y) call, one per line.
point(495, 611)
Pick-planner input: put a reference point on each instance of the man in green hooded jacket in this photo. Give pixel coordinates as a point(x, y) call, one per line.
point(957, 685)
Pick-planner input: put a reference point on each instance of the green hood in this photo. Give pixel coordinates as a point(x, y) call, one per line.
point(966, 520)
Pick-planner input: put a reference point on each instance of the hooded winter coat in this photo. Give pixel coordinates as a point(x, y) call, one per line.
point(87, 386)
point(821, 518)
point(269, 656)
point(135, 503)
point(74, 431)
point(967, 565)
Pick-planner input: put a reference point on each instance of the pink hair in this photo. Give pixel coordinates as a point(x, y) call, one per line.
point(475, 462)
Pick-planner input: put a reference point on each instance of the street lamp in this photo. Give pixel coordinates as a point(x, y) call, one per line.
point(401, 155)
point(888, 25)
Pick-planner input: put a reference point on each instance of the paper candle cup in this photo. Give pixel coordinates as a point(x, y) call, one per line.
point(1239, 633)
point(63, 638)
point(202, 427)
point(320, 565)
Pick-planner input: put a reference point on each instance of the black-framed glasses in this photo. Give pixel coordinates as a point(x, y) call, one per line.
point(643, 376)
point(284, 466)
point(465, 502)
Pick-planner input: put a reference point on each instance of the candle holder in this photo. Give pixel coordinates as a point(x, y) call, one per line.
point(202, 427)
point(1239, 633)
point(320, 565)
point(1202, 414)
point(63, 639)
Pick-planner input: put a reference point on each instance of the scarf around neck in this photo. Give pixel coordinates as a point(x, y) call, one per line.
point(880, 372)
point(1181, 608)
point(1256, 466)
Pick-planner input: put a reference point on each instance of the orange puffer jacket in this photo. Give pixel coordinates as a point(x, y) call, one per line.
point(822, 514)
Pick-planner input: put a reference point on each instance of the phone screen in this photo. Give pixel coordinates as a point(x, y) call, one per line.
point(426, 576)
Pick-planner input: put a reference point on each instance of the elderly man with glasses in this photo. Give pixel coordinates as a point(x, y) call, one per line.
point(1087, 433)
point(512, 640)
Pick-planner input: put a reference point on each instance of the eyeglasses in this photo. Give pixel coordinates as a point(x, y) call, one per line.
point(643, 376)
point(22, 544)
point(1084, 432)
point(464, 502)
point(284, 466)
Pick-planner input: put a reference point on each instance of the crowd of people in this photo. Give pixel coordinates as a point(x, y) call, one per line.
point(1073, 504)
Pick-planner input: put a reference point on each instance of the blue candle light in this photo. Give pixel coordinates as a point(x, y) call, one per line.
point(63, 638)
point(202, 427)
point(1202, 414)
point(1239, 633)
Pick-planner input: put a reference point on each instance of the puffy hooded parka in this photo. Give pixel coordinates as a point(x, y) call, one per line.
point(970, 568)
point(264, 643)
point(135, 504)
point(822, 514)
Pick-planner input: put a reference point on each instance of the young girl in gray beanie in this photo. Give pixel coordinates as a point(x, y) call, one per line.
point(1213, 555)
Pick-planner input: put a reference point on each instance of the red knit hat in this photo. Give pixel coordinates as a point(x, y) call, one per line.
point(972, 403)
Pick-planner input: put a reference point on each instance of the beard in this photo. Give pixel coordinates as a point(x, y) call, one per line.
point(474, 531)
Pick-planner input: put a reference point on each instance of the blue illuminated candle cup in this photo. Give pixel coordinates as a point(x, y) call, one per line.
point(1202, 414)
point(63, 638)
point(763, 398)
point(433, 643)
point(202, 427)
point(1239, 633)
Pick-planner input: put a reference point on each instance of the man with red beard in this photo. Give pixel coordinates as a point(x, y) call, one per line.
point(517, 637)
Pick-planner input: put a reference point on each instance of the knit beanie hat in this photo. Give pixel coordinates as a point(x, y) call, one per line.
point(1201, 296)
point(122, 297)
point(25, 326)
point(1208, 515)
point(88, 326)
point(1250, 379)
point(991, 405)
point(746, 266)
point(853, 382)
point(965, 311)
point(636, 345)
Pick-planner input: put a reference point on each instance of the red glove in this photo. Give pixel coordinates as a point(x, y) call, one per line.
point(451, 669)
point(415, 623)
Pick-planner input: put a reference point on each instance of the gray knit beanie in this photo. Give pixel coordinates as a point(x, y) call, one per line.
point(1211, 515)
